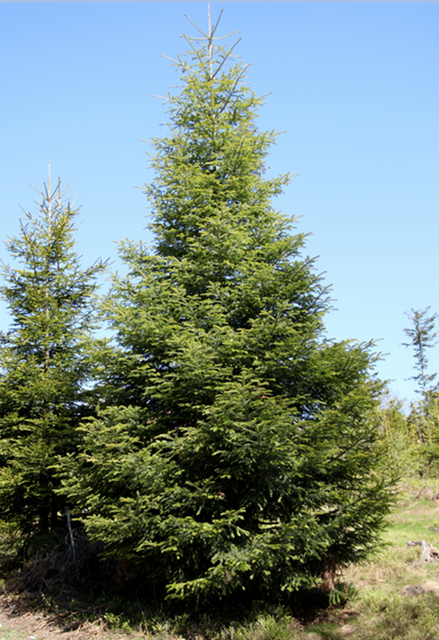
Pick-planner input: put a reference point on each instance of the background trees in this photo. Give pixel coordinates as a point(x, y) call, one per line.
point(238, 449)
point(424, 415)
point(422, 337)
point(42, 361)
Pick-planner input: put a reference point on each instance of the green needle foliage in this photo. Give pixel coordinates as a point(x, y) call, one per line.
point(238, 450)
point(422, 337)
point(424, 414)
point(42, 363)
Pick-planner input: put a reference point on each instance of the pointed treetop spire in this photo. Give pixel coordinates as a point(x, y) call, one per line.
point(209, 38)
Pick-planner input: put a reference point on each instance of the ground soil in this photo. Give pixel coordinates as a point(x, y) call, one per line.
point(19, 623)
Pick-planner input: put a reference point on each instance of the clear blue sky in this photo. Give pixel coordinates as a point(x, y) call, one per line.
point(355, 87)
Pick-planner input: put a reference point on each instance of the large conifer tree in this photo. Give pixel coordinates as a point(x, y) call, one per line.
point(43, 366)
point(238, 450)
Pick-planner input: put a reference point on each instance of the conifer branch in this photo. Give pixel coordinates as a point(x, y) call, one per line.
point(209, 38)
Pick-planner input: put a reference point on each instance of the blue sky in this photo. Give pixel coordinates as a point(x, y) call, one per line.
point(355, 87)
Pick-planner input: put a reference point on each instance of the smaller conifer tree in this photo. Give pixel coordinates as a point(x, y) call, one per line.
point(424, 414)
point(422, 337)
point(42, 363)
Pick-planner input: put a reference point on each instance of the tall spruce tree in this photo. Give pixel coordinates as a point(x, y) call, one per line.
point(43, 366)
point(238, 450)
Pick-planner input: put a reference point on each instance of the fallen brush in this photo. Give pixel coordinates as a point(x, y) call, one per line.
point(428, 551)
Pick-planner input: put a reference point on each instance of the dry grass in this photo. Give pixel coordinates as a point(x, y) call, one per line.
point(397, 594)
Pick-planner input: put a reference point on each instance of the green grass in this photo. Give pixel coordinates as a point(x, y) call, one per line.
point(415, 519)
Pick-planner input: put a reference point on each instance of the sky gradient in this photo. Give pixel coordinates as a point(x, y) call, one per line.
point(355, 90)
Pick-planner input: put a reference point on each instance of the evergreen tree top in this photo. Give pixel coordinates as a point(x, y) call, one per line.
point(46, 283)
point(211, 58)
point(210, 185)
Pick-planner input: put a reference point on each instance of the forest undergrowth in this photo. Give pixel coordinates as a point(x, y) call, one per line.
point(394, 595)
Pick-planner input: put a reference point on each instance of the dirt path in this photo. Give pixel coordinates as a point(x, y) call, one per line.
point(21, 625)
